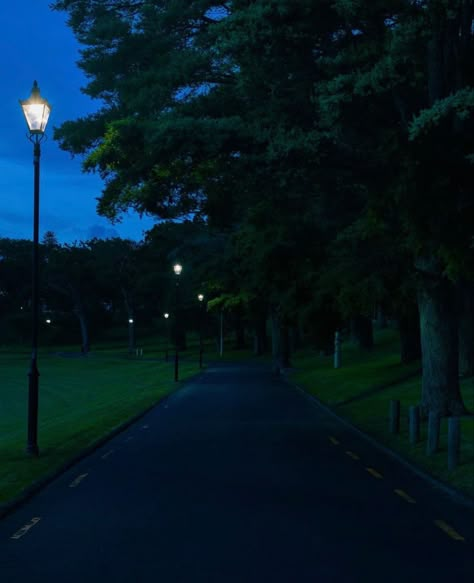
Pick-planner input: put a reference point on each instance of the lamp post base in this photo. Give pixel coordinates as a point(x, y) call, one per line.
point(32, 450)
point(33, 382)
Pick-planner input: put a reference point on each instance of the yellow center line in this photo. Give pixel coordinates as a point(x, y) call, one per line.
point(374, 473)
point(353, 455)
point(77, 481)
point(333, 440)
point(449, 530)
point(24, 529)
point(405, 496)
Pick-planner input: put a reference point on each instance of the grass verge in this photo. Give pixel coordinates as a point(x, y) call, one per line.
point(369, 380)
point(81, 401)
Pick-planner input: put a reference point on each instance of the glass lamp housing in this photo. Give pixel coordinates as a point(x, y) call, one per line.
point(178, 268)
point(36, 111)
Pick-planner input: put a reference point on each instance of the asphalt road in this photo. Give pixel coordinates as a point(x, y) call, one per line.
point(238, 478)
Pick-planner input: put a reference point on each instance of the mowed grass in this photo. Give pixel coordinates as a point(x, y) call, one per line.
point(81, 401)
point(360, 371)
point(364, 371)
point(371, 414)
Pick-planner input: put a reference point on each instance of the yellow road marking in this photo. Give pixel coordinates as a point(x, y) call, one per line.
point(353, 455)
point(24, 529)
point(106, 455)
point(374, 473)
point(405, 496)
point(333, 440)
point(449, 530)
point(77, 481)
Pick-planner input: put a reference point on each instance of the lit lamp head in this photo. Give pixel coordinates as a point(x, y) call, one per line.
point(36, 110)
point(177, 268)
point(48, 321)
point(130, 321)
point(166, 315)
point(200, 297)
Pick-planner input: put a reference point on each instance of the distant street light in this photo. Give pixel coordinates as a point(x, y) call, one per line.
point(166, 316)
point(201, 299)
point(177, 268)
point(131, 336)
point(48, 321)
point(36, 111)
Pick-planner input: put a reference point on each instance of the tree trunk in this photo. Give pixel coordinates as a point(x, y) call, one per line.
point(285, 348)
point(381, 317)
point(80, 315)
point(409, 328)
point(440, 392)
point(261, 341)
point(276, 348)
point(362, 332)
point(466, 328)
point(295, 338)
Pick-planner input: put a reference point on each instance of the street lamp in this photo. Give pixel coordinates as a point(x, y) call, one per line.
point(201, 299)
point(36, 110)
point(166, 316)
point(131, 336)
point(177, 268)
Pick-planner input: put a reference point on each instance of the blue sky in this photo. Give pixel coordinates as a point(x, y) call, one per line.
point(36, 44)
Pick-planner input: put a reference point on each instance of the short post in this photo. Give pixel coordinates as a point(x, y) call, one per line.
point(434, 422)
point(414, 423)
point(337, 349)
point(454, 442)
point(394, 416)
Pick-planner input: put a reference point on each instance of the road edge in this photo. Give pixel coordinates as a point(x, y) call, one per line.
point(38, 485)
point(455, 494)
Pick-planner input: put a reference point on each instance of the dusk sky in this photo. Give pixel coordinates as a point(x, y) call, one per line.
point(36, 44)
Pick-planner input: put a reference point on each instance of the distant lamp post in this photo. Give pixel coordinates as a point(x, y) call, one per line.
point(166, 316)
point(201, 300)
point(48, 321)
point(36, 110)
point(177, 268)
point(131, 335)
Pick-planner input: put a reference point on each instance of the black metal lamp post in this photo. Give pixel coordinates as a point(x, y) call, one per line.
point(131, 335)
point(166, 316)
point(201, 299)
point(36, 110)
point(177, 268)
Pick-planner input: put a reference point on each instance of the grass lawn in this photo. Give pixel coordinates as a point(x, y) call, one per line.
point(362, 371)
point(81, 400)
point(371, 414)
